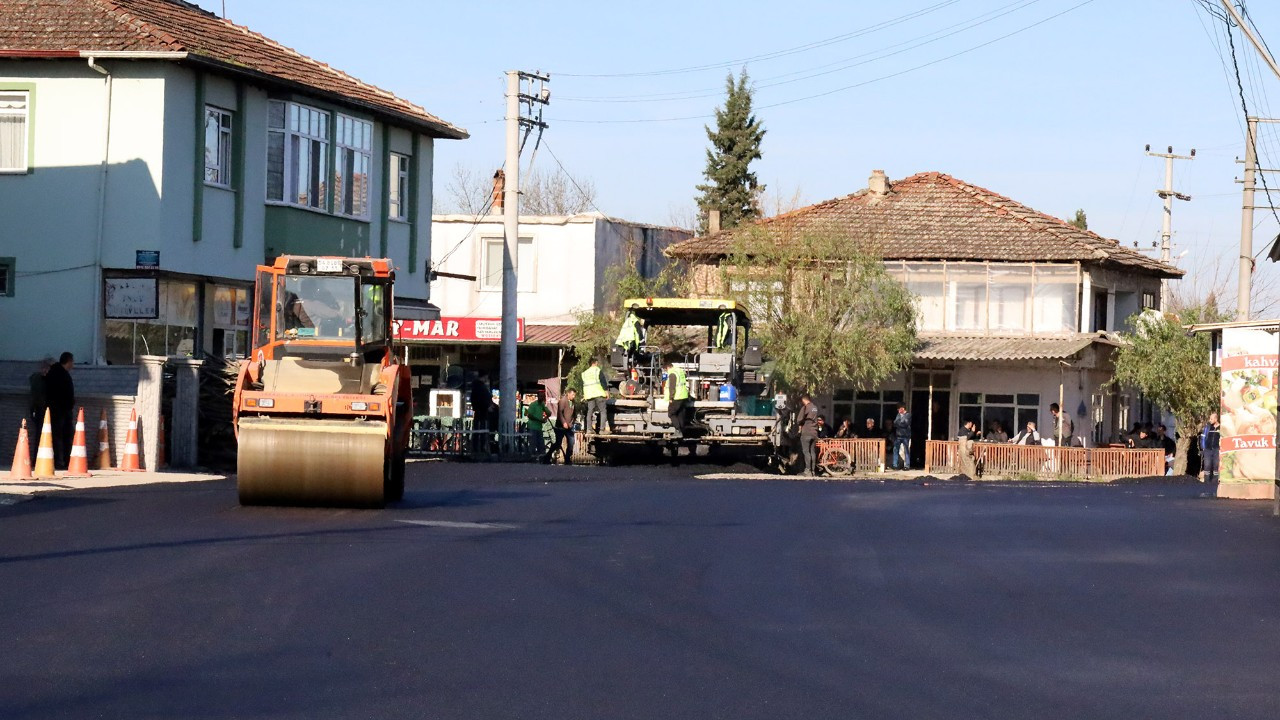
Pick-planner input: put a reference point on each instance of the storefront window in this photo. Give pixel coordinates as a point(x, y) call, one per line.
point(1011, 411)
point(173, 332)
point(881, 405)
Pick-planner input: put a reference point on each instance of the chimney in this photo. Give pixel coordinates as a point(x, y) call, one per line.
point(713, 222)
point(499, 187)
point(878, 184)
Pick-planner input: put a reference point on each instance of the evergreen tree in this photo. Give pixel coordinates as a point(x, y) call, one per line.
point(731, 187)
point(1080, 220)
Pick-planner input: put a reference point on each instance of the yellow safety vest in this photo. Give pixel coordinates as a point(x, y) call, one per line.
point(591, 386)
point(676, 378)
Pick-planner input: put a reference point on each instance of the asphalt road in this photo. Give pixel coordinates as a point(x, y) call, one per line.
point(642, 593)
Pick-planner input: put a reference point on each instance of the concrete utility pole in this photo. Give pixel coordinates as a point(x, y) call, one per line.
point(1168, 194)
point(516, 102)
point(1244, 286)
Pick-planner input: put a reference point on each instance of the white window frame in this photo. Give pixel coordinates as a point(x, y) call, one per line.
point(491, 278)
point(398, 187)
point(21, 100)
point(351, 136)
point(221, 152)
point(291, 137)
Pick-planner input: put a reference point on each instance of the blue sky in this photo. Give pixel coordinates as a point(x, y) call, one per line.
point(1055, 115)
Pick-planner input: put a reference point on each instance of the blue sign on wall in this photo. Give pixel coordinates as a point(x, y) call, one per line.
point(147, 259)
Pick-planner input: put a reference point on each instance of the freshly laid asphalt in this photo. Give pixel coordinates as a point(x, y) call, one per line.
point(503, 591)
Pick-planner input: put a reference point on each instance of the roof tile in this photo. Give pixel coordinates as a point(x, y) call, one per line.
point(933, 216)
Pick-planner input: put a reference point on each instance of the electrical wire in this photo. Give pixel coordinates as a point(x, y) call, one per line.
point(775, 54)
point(821, 70)
point(839, 89)
point(581, 192)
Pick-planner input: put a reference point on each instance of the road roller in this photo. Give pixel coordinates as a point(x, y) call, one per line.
point(322, 404)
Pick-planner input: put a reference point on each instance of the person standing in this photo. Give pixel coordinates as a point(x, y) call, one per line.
point(535, 415)
point(564, 427)
point(60, 392)
point(481, 403)
point(966, 438)
point(1063, 428)
point(1170, 447)
point(807, 420)
point(902, 439)
point(677, 398)
point(39, 401)
point(1210, 441)
point(597, 398)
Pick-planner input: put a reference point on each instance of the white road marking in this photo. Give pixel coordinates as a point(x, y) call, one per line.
point(461, 525)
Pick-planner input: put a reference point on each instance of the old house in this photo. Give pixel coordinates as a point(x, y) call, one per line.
point(1015, 307)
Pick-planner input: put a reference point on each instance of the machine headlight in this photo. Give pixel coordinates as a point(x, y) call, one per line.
point(266, 402)
point(360, 406)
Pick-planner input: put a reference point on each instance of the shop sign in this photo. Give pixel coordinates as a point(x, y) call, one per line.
point(455, 329)
point(130, 298)
point(147, 259)
point(1249, 387)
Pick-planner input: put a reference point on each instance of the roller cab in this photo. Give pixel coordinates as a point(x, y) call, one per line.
point(322, 404)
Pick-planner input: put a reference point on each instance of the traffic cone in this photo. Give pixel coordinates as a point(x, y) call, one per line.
point(44, 454)
point(78, 465)
point(21, 469)
point(130, 462)
point(104, 444)
point(161, 461)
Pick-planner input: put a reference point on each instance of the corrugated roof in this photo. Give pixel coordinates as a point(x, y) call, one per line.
point(54, 28)
point(556, 335)
point(933, 216)
point(987, 348)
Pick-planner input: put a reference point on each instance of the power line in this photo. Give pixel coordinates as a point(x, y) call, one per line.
point(821, 70)
point(581, 192)
point(1249, 137)
point(846, 87)
point(775, 54)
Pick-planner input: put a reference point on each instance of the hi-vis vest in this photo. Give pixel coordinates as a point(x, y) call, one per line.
point(676, 379)
point(591, 385)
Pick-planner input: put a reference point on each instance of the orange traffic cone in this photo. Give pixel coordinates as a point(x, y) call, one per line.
point(161, 461)
point(130, 462)
point(21, 469)
point(44, 454)
point(78, 465)
point(104, 444)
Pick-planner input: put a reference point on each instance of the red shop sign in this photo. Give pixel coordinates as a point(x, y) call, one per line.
point(455, 329)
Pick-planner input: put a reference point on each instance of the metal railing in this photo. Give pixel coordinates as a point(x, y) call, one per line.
point(1004, 460)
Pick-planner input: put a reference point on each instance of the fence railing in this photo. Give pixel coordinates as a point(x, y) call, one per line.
point(1004, 460)
point(865, 454)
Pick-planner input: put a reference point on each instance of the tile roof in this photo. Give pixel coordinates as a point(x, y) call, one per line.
point(58, 28)
point(933, 216)
point(988, 348)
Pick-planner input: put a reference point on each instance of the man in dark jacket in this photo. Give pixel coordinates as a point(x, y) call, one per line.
point(902, 439)
point(39, 400)
point(60, 393)
point(564, 426)
point(807, 420)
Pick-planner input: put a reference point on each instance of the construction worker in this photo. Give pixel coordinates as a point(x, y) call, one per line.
point(597, 398)
point(631, 336)
point(677, 397)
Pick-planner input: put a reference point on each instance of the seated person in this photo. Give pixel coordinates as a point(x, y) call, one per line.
point(996, 433)
point(1029, 436)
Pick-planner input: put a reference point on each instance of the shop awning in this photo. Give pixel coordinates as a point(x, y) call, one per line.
point(416, 310)
point(984, 348)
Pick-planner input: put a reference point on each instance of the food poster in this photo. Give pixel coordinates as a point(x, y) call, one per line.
point(1249, 365)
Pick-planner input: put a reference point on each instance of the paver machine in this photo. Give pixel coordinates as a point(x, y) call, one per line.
point(322, 406)
point(710, 340)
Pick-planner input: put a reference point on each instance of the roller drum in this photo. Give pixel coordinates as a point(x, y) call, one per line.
point(312, 462)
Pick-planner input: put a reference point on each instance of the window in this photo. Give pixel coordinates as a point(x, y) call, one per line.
point(217, 147)
point(398, 189)
point(969, 289)
point(927, 281)
point(297, 155)
point(172, 333)
point(491, 269)
point(7, 274)
point(1148, 300)
point(763, 298)
point(354, 141)
point(14, 119)
point(879, 405)
point(1011, 411)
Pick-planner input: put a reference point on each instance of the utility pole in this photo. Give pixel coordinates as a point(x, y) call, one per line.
point(1167, 194)
point(1244, 285)
point(517, 102)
